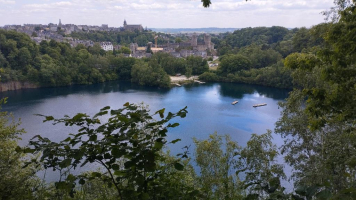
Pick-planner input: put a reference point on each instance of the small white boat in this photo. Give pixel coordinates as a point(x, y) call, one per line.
point(259, 105)
point(235, 102)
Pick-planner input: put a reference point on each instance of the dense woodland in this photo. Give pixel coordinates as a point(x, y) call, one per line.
point(57, 64)
point(250, 55)
point(317, 123)
point(256, 55)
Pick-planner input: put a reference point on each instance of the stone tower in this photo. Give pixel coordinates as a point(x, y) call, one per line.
point(133, 47)
point(60, 24)
point(194, 41)
point(125, 24)
point(207, 41)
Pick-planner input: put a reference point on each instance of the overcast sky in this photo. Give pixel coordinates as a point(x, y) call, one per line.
point(166, 13)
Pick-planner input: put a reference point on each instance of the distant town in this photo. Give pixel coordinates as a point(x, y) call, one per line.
point(61, 33)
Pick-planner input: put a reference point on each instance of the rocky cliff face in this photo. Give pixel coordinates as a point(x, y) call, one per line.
point(16, 85)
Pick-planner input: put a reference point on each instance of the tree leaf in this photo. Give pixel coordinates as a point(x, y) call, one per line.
point(93, 138)
point(173, 125)
point(115, 167)
point(161, 112)
point(48, 118)
point(158, 145)
point(65, 163)
point(175, 141)
point(178, 166)
point(81, 181)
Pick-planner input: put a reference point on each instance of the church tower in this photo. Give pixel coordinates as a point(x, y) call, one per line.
point(194, 40)
point(125, 24)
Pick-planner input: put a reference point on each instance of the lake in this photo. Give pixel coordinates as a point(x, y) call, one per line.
point(209, 108)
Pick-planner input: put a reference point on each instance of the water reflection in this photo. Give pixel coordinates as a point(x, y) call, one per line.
point(209, 108)
point(238, 90)
point(34, 95)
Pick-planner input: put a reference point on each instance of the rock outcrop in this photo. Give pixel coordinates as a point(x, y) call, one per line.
point(16, 85)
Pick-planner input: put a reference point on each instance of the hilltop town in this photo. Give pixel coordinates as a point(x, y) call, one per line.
point(62, 33)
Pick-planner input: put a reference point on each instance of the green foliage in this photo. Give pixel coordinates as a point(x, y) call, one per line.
point(217, 179)
point(170, 64)
point(150, 74)
point(51, 63)
point(275, 76)
point(57, 64)
point(15, 182)
point(318, 118)
point(123, 66)
point(230, 64)
point(259, 36)
point(188, 72)
point(125, 50)
point(128, 145)
point(209, 76)
point(260, 57)
point(197, 64)
point(258, 164)
point(178, 40)
point(265, 49)
point(228, 171)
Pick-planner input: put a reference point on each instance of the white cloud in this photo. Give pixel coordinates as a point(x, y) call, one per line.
point(7, 2)
point(167, 13)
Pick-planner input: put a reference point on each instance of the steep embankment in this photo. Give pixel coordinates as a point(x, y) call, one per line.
point(16, 85)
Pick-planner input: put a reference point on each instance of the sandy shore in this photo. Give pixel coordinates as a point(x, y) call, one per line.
point(176, 79)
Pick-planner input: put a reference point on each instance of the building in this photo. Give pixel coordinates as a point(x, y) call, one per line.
point(132, 27)
point(53, 27)
point(105, 26)
point(107, 46)
point(180, 50)
point(202, 46)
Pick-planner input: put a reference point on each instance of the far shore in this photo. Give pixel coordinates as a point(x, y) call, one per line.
point(182, 78)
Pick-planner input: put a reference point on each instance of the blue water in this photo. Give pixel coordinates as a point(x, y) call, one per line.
point(209, 108)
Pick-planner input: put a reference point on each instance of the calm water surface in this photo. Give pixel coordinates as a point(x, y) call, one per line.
point(209, 108)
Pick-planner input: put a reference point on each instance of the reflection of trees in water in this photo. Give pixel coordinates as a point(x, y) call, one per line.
point(237, 90)
point(19, 96)
point(234, 90)
point(274, 93)
point(190, 86)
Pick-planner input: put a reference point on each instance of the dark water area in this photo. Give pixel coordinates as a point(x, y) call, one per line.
point(209, 108)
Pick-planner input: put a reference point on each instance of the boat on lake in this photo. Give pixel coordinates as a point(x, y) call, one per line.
point(235, 102)
point(259, 105)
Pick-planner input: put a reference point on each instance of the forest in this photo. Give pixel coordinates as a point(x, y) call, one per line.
point(249, 55)
point(52, 64)
point(257, 55)
point(130, 144)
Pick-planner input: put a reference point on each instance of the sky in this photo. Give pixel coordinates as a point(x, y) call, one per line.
point(166, 13)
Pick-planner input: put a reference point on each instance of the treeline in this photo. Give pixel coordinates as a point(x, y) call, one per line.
point(58, 64)
point(53, 63)
point(256, 55)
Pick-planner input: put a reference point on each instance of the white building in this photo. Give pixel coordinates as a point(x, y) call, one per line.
point(107, 46)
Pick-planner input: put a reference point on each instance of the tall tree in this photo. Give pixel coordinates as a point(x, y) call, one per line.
point(318, 121)
point(15, 182)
